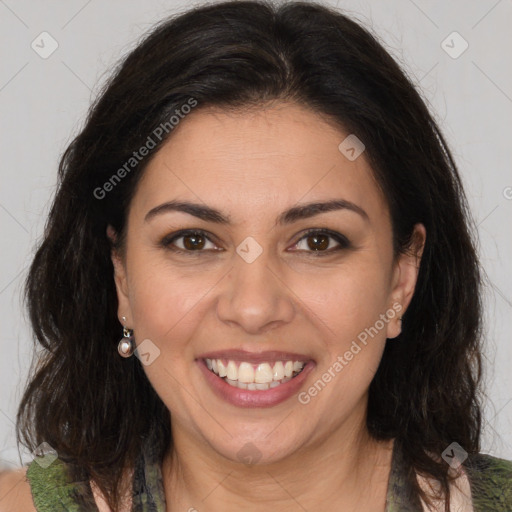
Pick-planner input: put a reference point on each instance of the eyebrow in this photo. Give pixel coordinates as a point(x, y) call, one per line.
point(289, 216)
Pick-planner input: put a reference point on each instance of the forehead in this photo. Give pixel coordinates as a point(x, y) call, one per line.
point(265, 159)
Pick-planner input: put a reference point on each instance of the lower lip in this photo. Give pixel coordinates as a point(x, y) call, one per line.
point(258, 398)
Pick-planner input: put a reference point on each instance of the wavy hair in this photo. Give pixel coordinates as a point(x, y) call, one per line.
point(96, 408)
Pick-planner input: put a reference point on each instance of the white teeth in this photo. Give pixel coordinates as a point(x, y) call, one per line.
point(263, 374)
point(297, 366)
point(232, 371)
point(222, 369)
point(254, 386)
point(245, 373)
point(236, 384)
point(278, 371)
point(255, 377)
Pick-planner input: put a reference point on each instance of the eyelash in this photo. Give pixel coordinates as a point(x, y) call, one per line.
point(343, 242)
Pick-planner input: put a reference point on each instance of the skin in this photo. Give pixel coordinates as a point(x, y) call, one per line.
point(15, 492)
point(252, 165)
point(317, 456)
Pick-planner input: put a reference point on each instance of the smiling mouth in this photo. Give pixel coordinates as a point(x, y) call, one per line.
point(255, 377)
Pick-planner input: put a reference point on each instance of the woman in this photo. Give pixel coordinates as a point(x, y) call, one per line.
point(263, 210)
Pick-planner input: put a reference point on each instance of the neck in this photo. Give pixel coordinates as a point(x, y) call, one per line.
point(349, 471)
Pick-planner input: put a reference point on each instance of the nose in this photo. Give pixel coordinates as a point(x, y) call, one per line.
point(255, 297)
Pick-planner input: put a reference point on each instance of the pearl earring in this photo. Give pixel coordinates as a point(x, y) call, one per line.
point(126, 345)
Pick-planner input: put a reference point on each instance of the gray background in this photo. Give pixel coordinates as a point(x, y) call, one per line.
point(43, 103)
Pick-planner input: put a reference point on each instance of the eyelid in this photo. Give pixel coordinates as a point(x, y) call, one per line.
point(168, 240)
point(342, 240)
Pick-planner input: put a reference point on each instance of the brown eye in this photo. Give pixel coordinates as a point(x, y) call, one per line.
point(322, 242)
point(318, 242)
point(193, 241)
point(189, 242)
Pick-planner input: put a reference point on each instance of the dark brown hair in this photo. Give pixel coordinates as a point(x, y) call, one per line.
point(96, 408)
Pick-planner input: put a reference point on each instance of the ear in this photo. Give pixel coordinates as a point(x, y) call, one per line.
point(405, 275)
point(120, 279)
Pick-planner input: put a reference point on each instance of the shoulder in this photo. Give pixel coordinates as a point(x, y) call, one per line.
point(55, 487)
point(491, 482)
point(15, 493)
point(45, 485)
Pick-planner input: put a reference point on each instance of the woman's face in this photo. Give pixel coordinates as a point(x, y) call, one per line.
point(253, 288)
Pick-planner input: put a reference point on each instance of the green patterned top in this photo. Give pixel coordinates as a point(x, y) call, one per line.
point(53, 490)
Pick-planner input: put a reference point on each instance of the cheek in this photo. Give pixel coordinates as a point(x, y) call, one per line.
point(347, 299)
point(165, 303)
point(349, 315)
point(346, 307)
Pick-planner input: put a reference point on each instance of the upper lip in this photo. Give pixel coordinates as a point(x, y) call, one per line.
point(255, 357)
